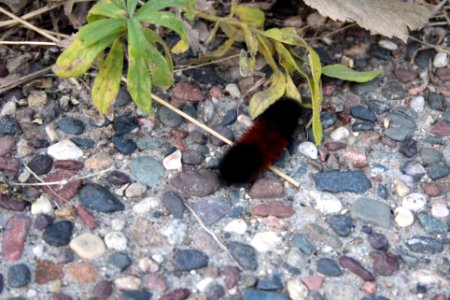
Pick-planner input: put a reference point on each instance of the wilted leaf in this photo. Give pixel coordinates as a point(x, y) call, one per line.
point(93, 32)
point(386, 17)
point(291, 89)
point(287, 35)
point(232, 32)
point(107, 82)
point(139, 83)
point(110, 9)
point(316, 93)
point(345, 73)
point(244, 64)
point(262, 100)
point(250, 15)
point(224, 47)
point(252, 45)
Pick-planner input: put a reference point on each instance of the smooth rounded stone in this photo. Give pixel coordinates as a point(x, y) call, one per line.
point(42, 206)
point(265, 241)
point(187, 92)
point(446, 154)
point(15, 233)
point(127, 283)
point(71, 125)
point(42, 221)
point(100, 160)
point(408, 148)
point(398, 134)
point(237, 226)
point(10, 203)
point(190, 110)
point(378, 241)
point(441, 129)
point(123, 145)
point(72, 165)
point(424, 244)
point(124, 124)
point(118, 178)
point(252, 294)
point(393, 90)
point(424, 57)
point(47, 271)
point(361, 112)
point(120, 260)
point(403, 217)
point(436, 101)
point(192, 157)
point(362, 126)
point(279, 209)
point(382, 191)
point(102, 290)
point(245, 254)
point(308, 149)
point(341, 224)
point(326, 203)
point(19, 275)
point(214, 292)
point(88, 246)
point(301, 242)
point(355, 267)
point(431, 225)
point(236, 212)
point(438, 170)
point(8, 126)
point(378, 107)
point(9, 165)
point(408, 259)
point(146, 170)
point(7, 143)
point(122, 99)
point(418, 103)
point(173, 161)
point(340, 134)
point(265, 188)
point(401, 188)
point(440, 60)
point(446, 114)
point(414, 169)
point(169, 118)
point(99, 198)
point(229, 117)
point(226, 132)
point(341, 181)
point(181, 293)
point(173, 202)
point(146, 205)
point(328, 267)
point(371, 211)
point(83, 142)
point(41, 164)
point(379, 52)
point(64, 149)
point(116, 240)
point(135, 190)
point(327, 119)
point(434, 140)
point(212, 210)
point(272, 282)
point(439, 209)
point(58, 234)
point(385, 263)
point(405, 75)
point(200, 183)
point(315, 232)
point(430, 156)
point(190, 259)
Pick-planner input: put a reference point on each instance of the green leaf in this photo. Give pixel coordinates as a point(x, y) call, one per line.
point(342, 72)
point(291, 89)
point(98, 30)
point(131, 7)
point(262, 100)
point(252, 45)
point(107, 8)
point(316, 93)
point(244, 64)
point(107, 82)
point(153, 38)
point(160, 68)
point(139, 83)
point(155, 5)
point(251, 15)
point(77, 58)
point(286, 35)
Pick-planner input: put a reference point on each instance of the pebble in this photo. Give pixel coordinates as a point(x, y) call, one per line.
point(127, 283)
point(378, 241)
point(279, 209)
point(252, 294)
point(362, 126)
point(423, 57)
point(71, 126)
point(341, 181)
point(355, 267)
point(192, 157)
point(401, 188)
point(120, 260)
point(302, 243)
point(438, 170)
point(63, 192)
point(326, 203)
point(177, 294)
point(440, 60)
point(382, 191)
point(403, 217)
point(8, 109)
point(83, 142)
point(430, 156)
point(424, 244)
point(436, 101)
point(361, 112)
point(146, 170)
point(147, 265)
point(385, 263)
point(408, 148)
point(58, 234)
point(233, 90)
point(200, 183)
point(190, 259)
point(328, 267)
point(88, 246)
point(123, 145)
point(431, 225)
point(23, 149)
point(19, 275)
point(118, 178)
point(64, 149)
point(229, 117)
point(312, 282)
point(265, 241)
point(98, 161)
point(399, 134)
point(269, 283)
point(116, 240)
point(316, 233)
point(446, 115)
point(136, 295)
point(173, 202)
point(265, 188)
point(145, 205)
point(441, 128)
point(8, 125)
point(102, 290)
point(439, 209)
point(42, 221)
point(308, 149)
point(175, 232)
point(71, 165)
point(99, 198)
point(393, 90)
point(37, 99)
point(428, 277)
point(15, 233)
point(341, 224)
point(42, 206)
point(12, 204)
point(82, 272)
point(208, 111)
point(47, 271)
point(237, 226)
point(135, 190)
point(190, 110)
point(211, 210)
point(187, 92)
point(245, 254)
point(9, 165)
point(226, 132)
point(405, 75)
point(378, 107)
point(214, 291)
point(340, 134)
point(418, 103)
point(169, 118)
point(371, 211)
point(173, 161)
point(7, 143)
point(124, 124)
point(414, 169)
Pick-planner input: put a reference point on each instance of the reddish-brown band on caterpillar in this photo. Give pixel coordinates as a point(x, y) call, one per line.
point(262, 144)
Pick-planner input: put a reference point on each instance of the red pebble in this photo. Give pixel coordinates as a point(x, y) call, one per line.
point(14, 237)
point(85, 216)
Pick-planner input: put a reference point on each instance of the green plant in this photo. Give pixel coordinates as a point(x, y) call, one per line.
point(110, 23)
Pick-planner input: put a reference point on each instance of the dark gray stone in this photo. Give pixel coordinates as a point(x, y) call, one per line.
point(424, 244)
point(99, 198)
point(169, 118)
point(269, 283)
point(229, 117)
point(147, 170)
point(192, 157)
point(83, 142)
point(342, 181)
point(200, 183)
point(408, 148)
point(393, 90)
point(431, 225)
point(302, 243)
point(383, 191)
point(371, 211)
point(362, 126)
point(41, 164)
point(424, 57)
point(414, 169)
point(215, 292)
point(190, 259)
point(71, 125)
point(252, 294)
point(378, 241)
point(58, 234)
point(436, 101)
point(226, 132)
point(341, 224)
point(244, 254)
point(378, 107)
point(429, 156)
point(124, 124)
point(327, 119)
point(174, 204)
point(118, 178)
point(8, 126)
point(123, 145)
point(363, 113)
point(328, 267)
point(136, 295)
point(438, 170)
point(19, 275)
point(120, 260)
point(211, 210)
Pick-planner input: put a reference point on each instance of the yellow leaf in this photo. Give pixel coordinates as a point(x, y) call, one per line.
point(291, 89)
point(287, 35)
point(316, 93)
point(250, 15)
point(262, 100)
point(180, 47)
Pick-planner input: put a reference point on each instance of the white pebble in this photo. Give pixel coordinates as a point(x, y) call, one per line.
point(37, 99)
point(88, 245)
point(265, 241)
point(296, 289)
point(386, 44)
point(439, 209)
point(414, 201)
point(117, 224)
point(204, 283)
point(233, 90)
point(51, 133)
point(326, 203)
point(145, 205)
point(135, 190)
point(42, 206)
point(440, 60)
point(173, 161)
point(116, 240)
point(146, 264)
point(244, 121)
point(403, 217)
point(401, 188)
point(23, 149)
point(64, 149)
point(237, 226)
point(340, 134)
point(418, 103)
point(9, 109)
point(428, 277)
point(127, 283)
point(38, 251)
point(308, 149)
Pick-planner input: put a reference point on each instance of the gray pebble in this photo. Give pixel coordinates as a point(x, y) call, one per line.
point(429, 156)
point(174, 204)
point(430, 224)
point(363, 113)
point(120, 260)
point(328, 267)
point(169, 118)
point(99, 198)
point(393, 90)
point(147, 170)
point(190, 259)
point(8, 126)
point(302, 243)
point(371, 211)
point(226, 132)
point(438, 170)
point(19, 275)
point(378, 107)
point(211, 210)
point(71, 125)
point(341, 181)
point(341, 224)
point(244, 254)
point(436, 101)
point(192, 157)
point(229, 117)
point(424, 244)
